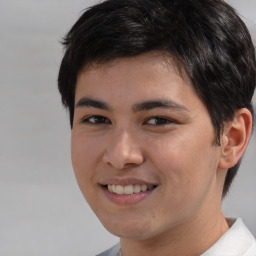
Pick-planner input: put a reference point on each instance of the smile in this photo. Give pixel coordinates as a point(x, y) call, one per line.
point(129, 189)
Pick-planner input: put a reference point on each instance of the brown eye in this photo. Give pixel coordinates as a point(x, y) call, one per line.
point(159, 121)
point(96, 120)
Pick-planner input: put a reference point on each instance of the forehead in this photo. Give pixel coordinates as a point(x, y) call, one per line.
point(152, 65)
point(148, 59)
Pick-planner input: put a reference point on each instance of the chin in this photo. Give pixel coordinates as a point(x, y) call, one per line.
point(130, 229)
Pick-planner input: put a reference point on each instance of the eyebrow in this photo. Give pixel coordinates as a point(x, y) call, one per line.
point(162, 103)
point(143, 106)
point(88, 102)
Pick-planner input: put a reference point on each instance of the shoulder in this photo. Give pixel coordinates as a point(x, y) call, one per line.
point(113, 251)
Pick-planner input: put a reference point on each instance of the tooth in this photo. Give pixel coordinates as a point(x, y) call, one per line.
point(144, 187)
point(136, 189)
point(110, 188)
point(119, 189)
point(128, 190)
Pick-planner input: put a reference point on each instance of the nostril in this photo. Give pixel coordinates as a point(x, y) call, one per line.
point(123, 161)
point(130, 165)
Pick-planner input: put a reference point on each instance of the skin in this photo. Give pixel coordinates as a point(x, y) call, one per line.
point(171, 147)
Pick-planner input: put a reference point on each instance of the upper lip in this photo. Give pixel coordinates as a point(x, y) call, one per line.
point(125, 181)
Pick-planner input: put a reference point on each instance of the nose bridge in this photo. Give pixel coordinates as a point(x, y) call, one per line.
point(123, 149)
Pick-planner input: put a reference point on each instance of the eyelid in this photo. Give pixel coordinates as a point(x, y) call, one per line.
point(86, 120)
point(166, 120)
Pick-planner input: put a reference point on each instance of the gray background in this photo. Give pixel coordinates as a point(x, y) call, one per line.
point(42, 211)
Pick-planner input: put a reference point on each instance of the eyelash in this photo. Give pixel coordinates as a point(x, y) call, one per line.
point(99, 120)
point(160, 121)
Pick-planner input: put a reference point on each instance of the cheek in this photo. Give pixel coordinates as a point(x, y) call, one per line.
point(84, 155)
point(187, 163)
point(85, 151)
point(187, 176)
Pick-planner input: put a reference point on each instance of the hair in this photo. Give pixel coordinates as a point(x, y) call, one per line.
point(206, 38)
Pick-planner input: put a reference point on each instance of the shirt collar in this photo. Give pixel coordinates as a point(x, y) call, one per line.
point(236, 241)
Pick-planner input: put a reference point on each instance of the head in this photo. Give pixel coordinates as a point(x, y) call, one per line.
point(205, 39)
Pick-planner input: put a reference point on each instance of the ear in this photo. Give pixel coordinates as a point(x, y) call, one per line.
point(235, 138)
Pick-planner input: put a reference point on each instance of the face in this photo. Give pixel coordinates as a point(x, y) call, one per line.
point(142, 147)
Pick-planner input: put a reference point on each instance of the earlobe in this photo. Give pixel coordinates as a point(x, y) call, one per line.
point(235, 138)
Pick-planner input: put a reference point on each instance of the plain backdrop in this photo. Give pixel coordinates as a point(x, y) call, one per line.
point(42, 211)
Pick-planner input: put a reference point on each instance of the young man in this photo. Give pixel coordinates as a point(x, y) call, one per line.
point(159, 95)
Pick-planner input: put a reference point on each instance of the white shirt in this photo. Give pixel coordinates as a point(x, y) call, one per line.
point(237, 241)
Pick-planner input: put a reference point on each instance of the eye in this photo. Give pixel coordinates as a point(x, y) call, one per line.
point(159, 121)
point(96, 120)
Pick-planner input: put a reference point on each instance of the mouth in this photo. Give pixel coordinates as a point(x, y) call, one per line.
point(129, 189)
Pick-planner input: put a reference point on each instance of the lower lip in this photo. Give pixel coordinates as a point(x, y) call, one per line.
point(127, 199)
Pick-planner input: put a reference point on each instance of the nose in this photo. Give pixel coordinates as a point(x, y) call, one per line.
point(123, 151)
